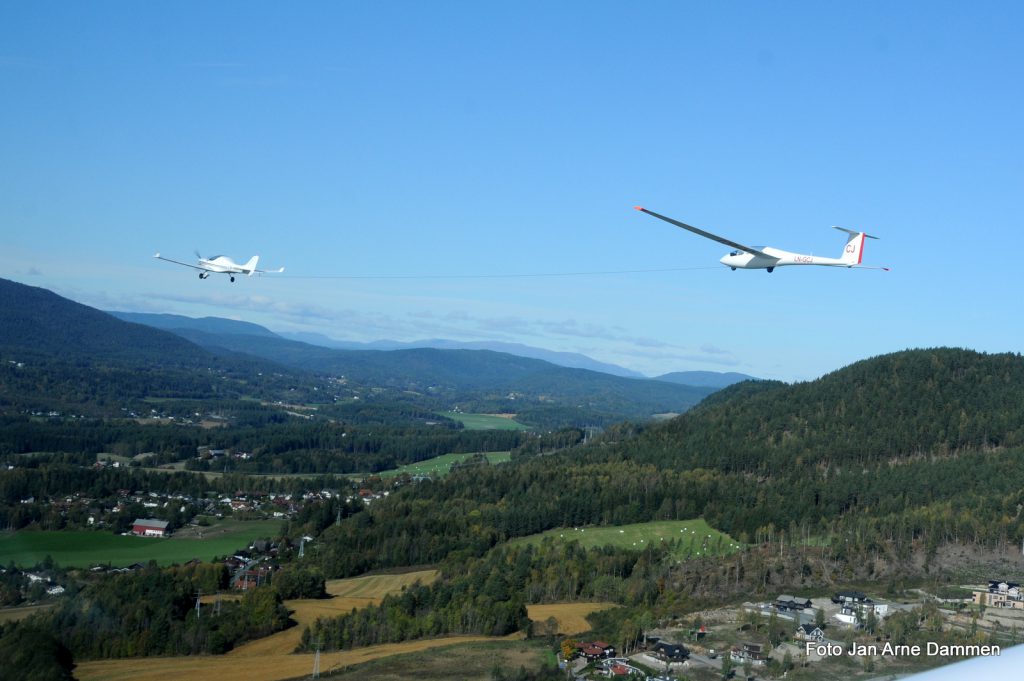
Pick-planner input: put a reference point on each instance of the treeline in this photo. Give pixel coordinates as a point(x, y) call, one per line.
point(292, 446)
point(335, 448)
point(487, 595)
point(152, 612)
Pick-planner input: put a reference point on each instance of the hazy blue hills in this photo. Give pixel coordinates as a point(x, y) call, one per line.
point(708, 379)
point(56, 354)
point(483, 376)
point(216, 325)
point(70, 340)
point(170, 322)
point(572, 360)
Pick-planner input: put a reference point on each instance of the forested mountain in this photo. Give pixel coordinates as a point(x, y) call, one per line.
point(913, 449)
point(901, 405)
point(56, 354)
point(38, 322)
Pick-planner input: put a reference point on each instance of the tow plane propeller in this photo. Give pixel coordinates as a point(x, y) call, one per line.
point(768, 258)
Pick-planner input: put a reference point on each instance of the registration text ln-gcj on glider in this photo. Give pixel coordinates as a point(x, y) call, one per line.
point(768, 258)
point(222, 264)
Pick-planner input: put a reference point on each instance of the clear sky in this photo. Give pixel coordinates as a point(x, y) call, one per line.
point(462, 138)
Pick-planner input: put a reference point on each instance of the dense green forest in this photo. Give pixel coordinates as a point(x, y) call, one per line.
point(152, 612)
point(816, 460)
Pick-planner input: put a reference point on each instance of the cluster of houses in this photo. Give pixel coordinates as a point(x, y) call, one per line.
point(205, 453)
point(854, 606)
point(1001, 594)
point(52, 588)
point(754, 653)
point(594, 650)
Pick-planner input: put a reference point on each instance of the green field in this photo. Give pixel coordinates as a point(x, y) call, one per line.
point(697, 537)
point(485, 421)
point(439, 466)
point(83, 548)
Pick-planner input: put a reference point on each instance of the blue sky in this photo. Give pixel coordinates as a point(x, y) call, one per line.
point(459, 138)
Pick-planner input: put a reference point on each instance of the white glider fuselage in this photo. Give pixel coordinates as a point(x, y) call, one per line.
point(768, 258)
point(779, 258)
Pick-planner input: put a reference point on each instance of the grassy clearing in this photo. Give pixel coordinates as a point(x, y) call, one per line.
point(487, 421)
point(696, 537)
point(439, 466)
point(273, 667)
point(571, 617)
point(20, 613)
point(463, 661)
point(83, 548)
point(346, 595)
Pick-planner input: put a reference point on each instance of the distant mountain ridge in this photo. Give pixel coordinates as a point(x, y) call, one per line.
point(494, 377)
point(170, 322)
point(57, 329)
point(572, 360)
point(708, 379)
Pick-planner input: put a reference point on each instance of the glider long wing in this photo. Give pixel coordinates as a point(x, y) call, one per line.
point(178, 262)
point(706, 235)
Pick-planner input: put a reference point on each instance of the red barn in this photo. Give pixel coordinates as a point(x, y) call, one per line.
point(150, 527)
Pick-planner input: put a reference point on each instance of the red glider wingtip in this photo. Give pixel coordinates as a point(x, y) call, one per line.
point(638, 207)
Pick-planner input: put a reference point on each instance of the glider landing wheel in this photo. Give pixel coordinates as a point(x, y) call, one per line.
point(770, 270)
point(232, 280)
point(733, 269)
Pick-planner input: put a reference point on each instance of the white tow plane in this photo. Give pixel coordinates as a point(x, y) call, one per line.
point(768, 258)
point(222, 264)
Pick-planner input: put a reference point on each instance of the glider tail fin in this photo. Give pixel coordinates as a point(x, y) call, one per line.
point(853, 251)
point(250, 266)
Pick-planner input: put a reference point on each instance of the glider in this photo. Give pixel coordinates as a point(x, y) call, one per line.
point(768, 258)
point(222, 264)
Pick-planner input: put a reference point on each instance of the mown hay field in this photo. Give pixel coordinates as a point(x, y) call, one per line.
point(272, 658)
point(571, 617)
point(21, 612)
point(463, 661)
